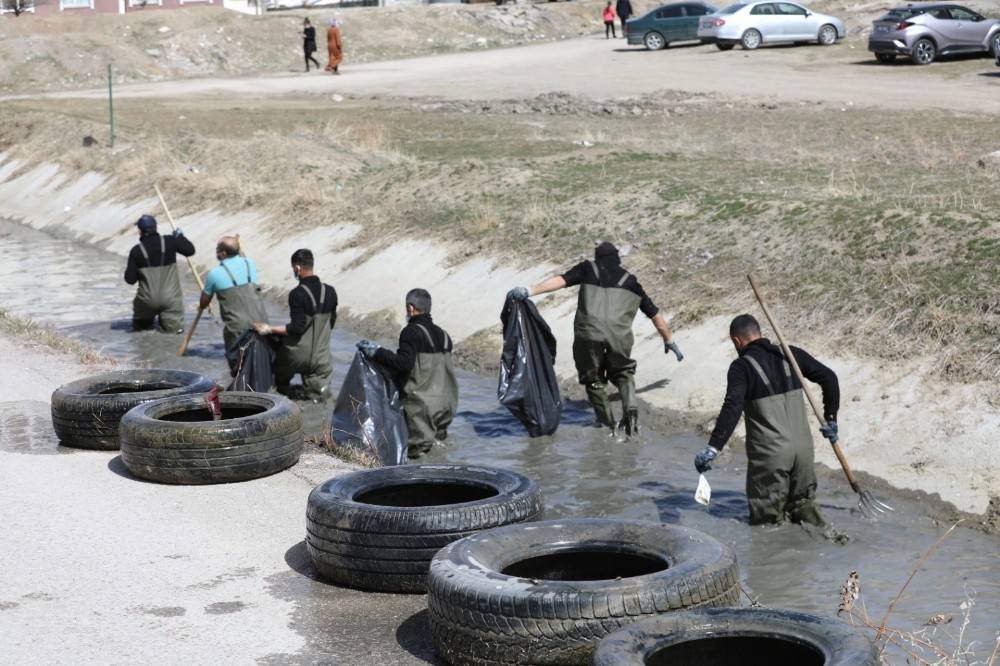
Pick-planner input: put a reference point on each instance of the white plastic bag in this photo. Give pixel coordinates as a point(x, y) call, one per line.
point(703, 494)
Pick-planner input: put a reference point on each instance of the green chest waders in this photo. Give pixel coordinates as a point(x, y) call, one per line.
point(307, 354)
point(602, 344)
point(159, 294)
point(780, 476)
point(240, 307)
point(430, 397)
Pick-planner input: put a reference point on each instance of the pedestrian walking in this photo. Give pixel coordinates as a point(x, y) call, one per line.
point(424, 372)
point(152, 262)
point(624, 10)
point(234, 281)
point(305, 340)
point(608, 301)
point(334, 47)
point(309, 43)
point(781, 481)
point(609, 21)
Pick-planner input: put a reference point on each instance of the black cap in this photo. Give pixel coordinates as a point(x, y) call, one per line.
point(146, 223)
point(605, 249)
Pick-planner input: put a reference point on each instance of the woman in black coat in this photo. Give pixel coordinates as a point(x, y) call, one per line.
point(309, 42)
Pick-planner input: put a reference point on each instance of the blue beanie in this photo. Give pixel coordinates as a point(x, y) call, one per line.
point(146, 223)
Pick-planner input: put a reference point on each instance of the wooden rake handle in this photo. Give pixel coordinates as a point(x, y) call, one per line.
point(817, 409)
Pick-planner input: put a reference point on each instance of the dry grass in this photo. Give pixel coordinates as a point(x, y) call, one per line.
point(30, 331)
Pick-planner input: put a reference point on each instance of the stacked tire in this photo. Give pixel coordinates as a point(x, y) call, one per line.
point(737, 637)
point(175, 440)
point(86, 413)
point(378, 529)
point(547, 593)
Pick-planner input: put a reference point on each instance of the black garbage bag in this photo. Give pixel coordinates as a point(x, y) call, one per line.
point(251, 358)
point(528, 386)
point(368, 415)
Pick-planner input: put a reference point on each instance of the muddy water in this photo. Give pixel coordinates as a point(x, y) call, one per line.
point(79, 290)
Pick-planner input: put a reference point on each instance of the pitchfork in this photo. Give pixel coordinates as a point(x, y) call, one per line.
point(867, 503)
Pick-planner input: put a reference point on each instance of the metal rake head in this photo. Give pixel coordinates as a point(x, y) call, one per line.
point(870, 506)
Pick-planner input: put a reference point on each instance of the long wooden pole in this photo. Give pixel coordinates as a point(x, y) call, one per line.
point(190, 333)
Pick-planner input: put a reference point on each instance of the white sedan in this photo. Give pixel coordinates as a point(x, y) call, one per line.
point(751, 24)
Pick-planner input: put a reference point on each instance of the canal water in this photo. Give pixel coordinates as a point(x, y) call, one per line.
point(78, 290)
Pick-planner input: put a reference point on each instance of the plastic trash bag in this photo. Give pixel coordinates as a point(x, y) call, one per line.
point(703, 494)
point(528, 386)
point(251, 357)
point(368, 415)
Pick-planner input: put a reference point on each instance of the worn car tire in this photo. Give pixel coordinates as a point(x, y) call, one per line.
point(378, 529)
point(885, 58)
point(750, 40)
point(923, 52)
point(654, 41)
point(175, 440)
point(735, 636)
point(827, 35)
point(86, 412)
point(548, 592)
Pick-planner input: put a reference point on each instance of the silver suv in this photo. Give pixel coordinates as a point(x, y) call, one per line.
point(923, 31)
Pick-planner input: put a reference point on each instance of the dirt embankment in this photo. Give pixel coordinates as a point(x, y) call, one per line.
point(472, 172)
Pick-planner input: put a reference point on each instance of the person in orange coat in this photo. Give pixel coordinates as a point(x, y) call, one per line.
point(334, 46)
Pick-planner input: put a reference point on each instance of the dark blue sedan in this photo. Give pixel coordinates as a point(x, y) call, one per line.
point(673, 22)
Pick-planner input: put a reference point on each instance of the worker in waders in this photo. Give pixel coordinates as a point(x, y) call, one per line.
point(305, 340)
point(607, 304)
point(781, 482)
point(234, 281)
point(153, 264)
point(425, 374)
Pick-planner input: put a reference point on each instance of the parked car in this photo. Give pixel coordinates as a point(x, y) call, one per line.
point(751, 24)
point(924, 31)
point(673, 22)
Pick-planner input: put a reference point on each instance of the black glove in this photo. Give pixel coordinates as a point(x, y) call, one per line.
point(702, 460)
point(672, 347)
point(177, 232)
point(518, 293)
point(829, 430)
point(367, 348)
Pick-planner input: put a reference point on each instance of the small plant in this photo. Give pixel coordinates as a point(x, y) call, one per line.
point(31, 331)
point(931, 645)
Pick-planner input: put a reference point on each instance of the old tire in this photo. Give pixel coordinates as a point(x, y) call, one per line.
point(547, 593)
point(736, 637)
point(378, 529)
point(175, 440)
point(86, 412)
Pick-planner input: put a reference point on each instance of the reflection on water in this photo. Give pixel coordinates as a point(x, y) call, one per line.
point(582, 471)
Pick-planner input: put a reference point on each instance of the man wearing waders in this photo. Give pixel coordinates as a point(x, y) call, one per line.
point(425, 374)
point(305, 340)
point(607, 304)
point(153, 264)
point(781, 481)
point(234, 280)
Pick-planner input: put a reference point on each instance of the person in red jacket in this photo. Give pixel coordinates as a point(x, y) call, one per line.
point(609, 21)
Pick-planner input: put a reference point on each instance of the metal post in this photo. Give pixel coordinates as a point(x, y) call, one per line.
point(111, 107)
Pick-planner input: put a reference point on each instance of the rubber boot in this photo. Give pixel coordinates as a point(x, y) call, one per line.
point(630, 423)
point(599, 401)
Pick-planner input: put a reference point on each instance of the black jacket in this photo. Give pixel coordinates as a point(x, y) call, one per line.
point(412, 341)
point(173, 245)
point(623, 9)
point(300, 308)
point(609, 274)
point(745, 384)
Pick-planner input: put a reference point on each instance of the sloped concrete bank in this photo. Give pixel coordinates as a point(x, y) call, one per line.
point(900, 424)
